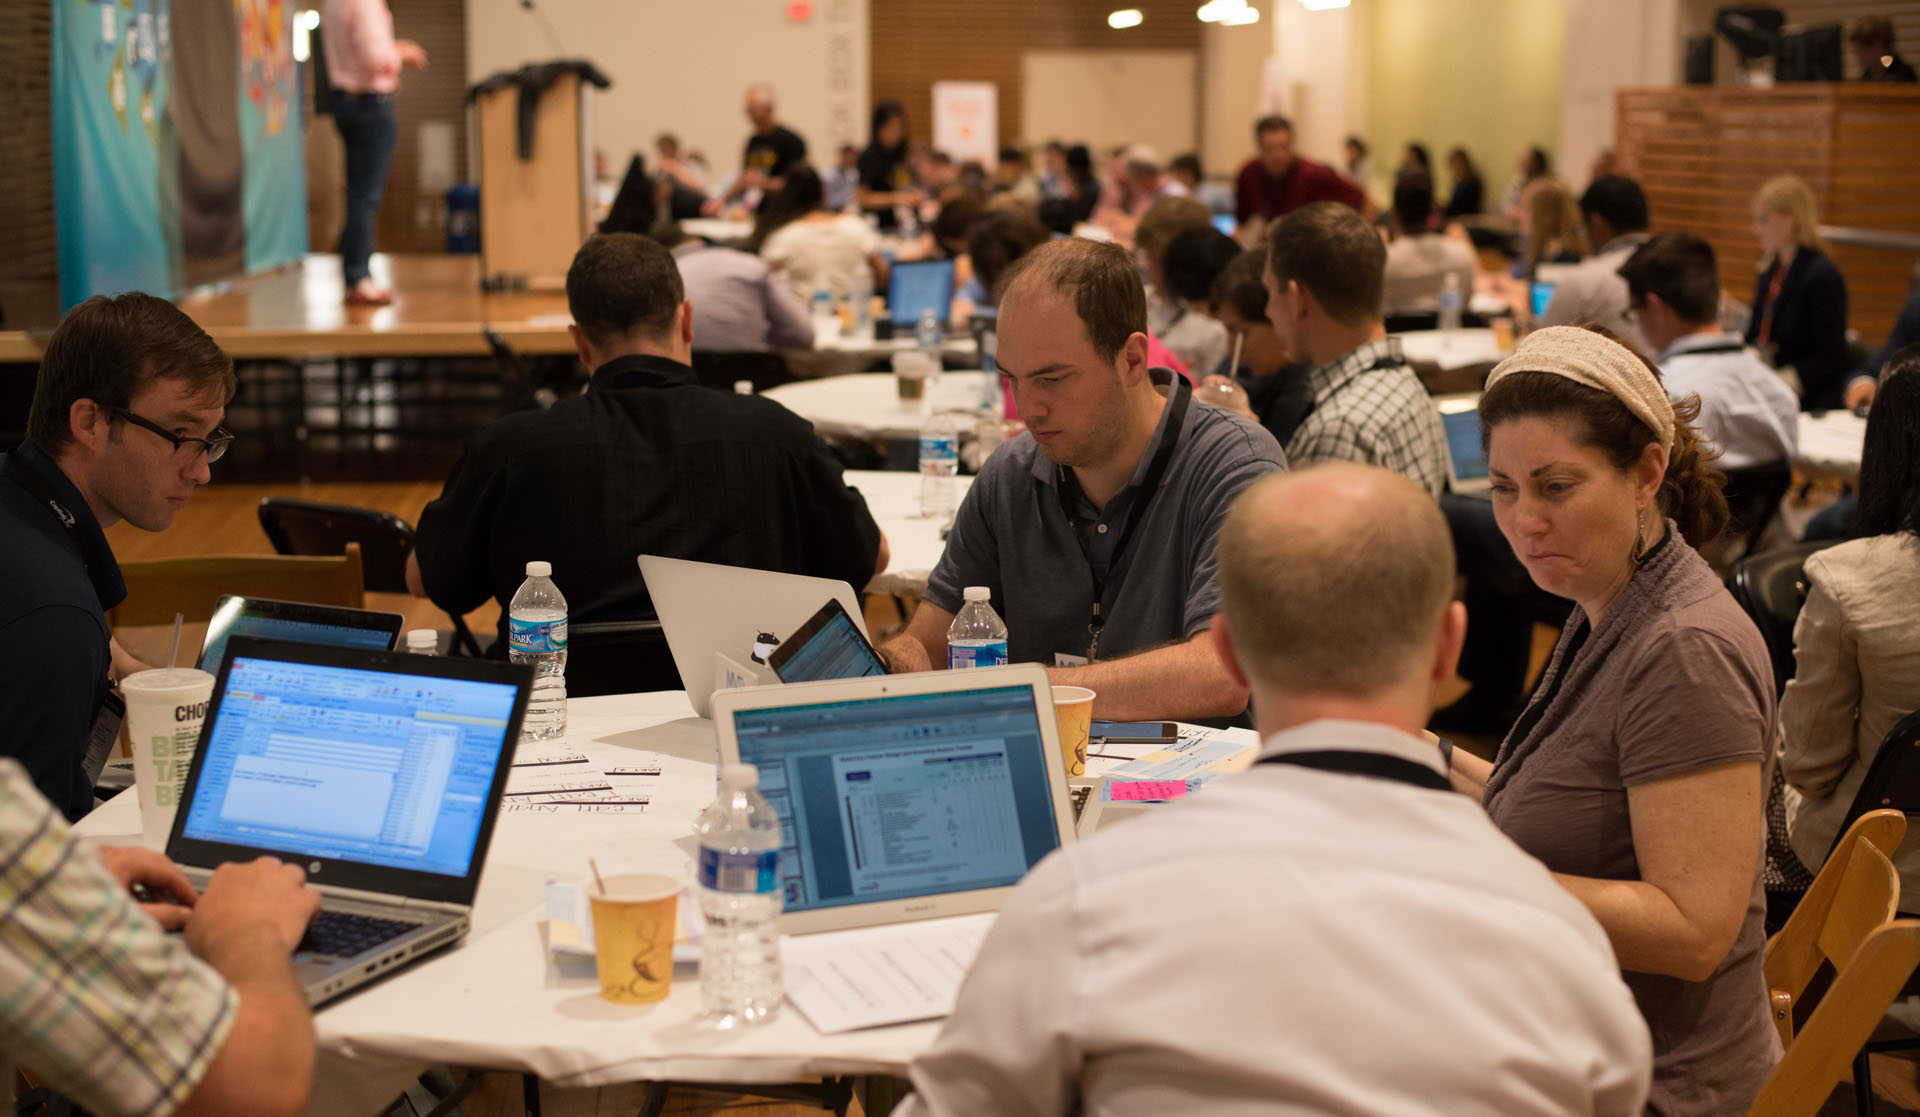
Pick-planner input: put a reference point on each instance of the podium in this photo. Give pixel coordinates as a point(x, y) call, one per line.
point(535, 211)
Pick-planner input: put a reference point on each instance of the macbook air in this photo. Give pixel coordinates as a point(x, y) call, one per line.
point(300, 623)
point(380, 773)
point(706, 608)
point(903, 797)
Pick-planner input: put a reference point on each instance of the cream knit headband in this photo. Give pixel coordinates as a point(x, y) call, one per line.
point(1585, 357)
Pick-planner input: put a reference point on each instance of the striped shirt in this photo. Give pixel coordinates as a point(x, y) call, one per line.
point(95, 1000)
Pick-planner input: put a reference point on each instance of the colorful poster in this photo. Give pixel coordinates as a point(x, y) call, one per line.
point(271, 128)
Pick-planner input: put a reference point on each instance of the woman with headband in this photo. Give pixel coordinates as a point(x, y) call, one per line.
point(1635, 772)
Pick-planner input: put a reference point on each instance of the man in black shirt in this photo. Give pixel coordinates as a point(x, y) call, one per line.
point(125, 419)
point(772, 150)
point(646, 461)
point(1873, 49)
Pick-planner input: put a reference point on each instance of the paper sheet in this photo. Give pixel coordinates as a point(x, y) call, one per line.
point(874, 976)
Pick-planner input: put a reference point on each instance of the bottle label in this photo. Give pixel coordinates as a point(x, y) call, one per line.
point(721, 871)
point(977, 655)
point(536, 637)
point(939, 449)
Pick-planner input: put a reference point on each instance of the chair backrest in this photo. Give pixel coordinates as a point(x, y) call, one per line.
point(1843, 1021)
point(302, 527)
point(159, 588)
point(1769, 587)
point(619, 657)
point(1892, 781)
point(1856, 891)
point(1753, 495)
point(721, 369)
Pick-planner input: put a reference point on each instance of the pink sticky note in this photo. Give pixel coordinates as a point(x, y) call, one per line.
point(1125, 791)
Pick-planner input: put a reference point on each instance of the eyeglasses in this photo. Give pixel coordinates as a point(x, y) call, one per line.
point(214, 447)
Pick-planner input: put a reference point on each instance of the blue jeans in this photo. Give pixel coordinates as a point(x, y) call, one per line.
point(368, 128)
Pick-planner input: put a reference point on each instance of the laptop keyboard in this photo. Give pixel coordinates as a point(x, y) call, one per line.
point(342, 935)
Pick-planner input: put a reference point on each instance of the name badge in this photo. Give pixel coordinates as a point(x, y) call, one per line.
point(1062, 659)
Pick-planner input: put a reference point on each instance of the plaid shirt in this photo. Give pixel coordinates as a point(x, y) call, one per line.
point(94, 998)
point(1381, 416)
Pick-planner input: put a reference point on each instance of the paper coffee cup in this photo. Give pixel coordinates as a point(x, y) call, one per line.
point(634, 922)
point(166, 707)
point(1073, 710)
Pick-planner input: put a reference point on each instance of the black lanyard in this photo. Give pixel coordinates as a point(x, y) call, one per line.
point(1710, 350)
point(1374, 765)
point(1156, 472)
point(37, 488)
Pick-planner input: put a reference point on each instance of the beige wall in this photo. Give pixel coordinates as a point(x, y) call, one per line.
point(1611, 45)
point(1232, 60)
point(684, 65)
point(1107, 98)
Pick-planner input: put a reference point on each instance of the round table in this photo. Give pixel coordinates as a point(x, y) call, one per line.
point(893, 496)
point(867, 405)
point(1830, 444)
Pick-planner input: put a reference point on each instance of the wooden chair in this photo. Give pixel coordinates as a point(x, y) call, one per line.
point(1841, 1024)
point(159, 588)
point(1856, 891)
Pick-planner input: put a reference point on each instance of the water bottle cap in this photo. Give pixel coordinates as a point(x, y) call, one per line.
point(977, 593)
point(538, 569)
point(422, 638)
point(739, 777)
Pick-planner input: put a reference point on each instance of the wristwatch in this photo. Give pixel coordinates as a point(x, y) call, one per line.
point(1446, 753)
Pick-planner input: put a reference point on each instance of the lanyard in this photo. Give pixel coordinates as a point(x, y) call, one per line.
point(38, 489)
point(1710, 350)
point(1374, 765)
point(1156, 472)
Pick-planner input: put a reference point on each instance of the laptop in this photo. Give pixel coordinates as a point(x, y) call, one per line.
point(294, 621)
point(1546, 278)
point(1466, 460)
point(706, 608)
point(828, 646)
point(379, 772)
point(903, 797)
point(917, 286)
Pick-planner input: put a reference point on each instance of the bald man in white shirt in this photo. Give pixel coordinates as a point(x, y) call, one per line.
point(1334, 931)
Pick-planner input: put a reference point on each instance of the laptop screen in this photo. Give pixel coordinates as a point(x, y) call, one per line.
point(903, 796)
point(298, 624)
point(828, 646)
point(916, 286)
point(375, 767)
point(1542, 297)
point(1463, 443)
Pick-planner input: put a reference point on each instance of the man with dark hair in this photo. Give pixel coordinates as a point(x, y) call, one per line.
point(1185, 170)
point(739, 304)
point(1326, 270)
point(124, 421)
point(1276, 182)
point(1274, 380)
point(1420, 259)
point(1592, 293)
point(1746, 410)
point(1094, 530)
point(1188, 268)
point(1873, 48)
point(646, 461)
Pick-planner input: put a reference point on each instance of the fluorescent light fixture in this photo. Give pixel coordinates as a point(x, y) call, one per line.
point(1124, 18)
point(1323, 5)
point(1214, 11)
point(1241, 18)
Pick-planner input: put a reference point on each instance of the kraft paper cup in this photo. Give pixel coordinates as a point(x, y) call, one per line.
point(633, 927)
point(1073, 710)
point(166, 707)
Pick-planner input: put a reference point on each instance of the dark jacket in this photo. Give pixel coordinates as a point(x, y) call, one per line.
point(1809, 331)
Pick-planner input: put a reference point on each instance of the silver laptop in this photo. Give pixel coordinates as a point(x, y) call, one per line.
point(903, 797)
point(706, 608)
point(378, 772)
point(297, 621)
point(1466, 460)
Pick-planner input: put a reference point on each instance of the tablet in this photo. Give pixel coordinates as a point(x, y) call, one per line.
point(295, 622)
point(828, 646)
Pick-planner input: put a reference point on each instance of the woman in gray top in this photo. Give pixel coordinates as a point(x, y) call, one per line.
point(1635, 772)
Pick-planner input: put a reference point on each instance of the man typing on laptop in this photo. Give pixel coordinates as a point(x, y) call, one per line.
point(1095, 530)
point(1334, 930)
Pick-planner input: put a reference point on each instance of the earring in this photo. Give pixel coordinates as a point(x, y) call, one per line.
point(1639, 554)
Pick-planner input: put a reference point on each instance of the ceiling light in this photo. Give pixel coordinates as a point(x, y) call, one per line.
point(1215, 11)
point(1323, 5)
point(1241, 18)
point(1124, 18)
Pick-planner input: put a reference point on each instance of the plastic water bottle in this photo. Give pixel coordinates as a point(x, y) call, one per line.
point(423, 641)
point(739, 881)
point(1451, 302)
point(927, 334)
point(939, 461)
point(826, 320)
point(977, 637)
point(537, 634)
point(860, 301)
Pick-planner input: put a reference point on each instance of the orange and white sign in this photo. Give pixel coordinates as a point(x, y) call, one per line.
point(966, 120)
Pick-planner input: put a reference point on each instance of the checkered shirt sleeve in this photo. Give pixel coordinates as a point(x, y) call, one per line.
point(1379, 416)
point(95, 1000)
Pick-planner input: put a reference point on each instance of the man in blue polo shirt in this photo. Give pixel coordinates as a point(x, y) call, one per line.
point(1095, 530)
point(124, 421)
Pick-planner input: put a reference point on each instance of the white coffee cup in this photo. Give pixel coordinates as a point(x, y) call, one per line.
point(166, 707)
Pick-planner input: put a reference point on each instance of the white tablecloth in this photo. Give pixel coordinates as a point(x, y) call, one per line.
point(1462, 349)
point(716, 228)
point(959, 346)
point(494, 1001)
point(894, 499)
point(867, 405)
point(1831, 444)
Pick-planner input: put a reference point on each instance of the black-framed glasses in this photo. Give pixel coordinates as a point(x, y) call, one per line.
point(214, 446)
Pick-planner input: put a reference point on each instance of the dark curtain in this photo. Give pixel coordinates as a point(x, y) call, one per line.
point(206, 115)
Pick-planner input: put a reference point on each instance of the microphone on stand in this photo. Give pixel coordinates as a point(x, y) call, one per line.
point(545, 28)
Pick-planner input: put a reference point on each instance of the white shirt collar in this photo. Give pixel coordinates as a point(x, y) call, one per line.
point(1356, 736)
point(1690, 342)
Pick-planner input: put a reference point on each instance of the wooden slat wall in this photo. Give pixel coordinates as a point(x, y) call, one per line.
point(30, 266)
point(1701, 153)
point(412, 220)
point(915, 43)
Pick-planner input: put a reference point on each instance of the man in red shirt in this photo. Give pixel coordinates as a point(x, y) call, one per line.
point(1276, 182)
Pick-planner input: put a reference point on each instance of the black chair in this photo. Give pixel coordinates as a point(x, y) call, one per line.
point(619, 657)
point(304, 527)
point(1771, 588)
point(721, 369)
point(1753, 495)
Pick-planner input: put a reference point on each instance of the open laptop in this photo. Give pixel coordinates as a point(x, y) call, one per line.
point(300, 623)
point(706, 608)
point(1546, 279)
point(1466, 460)
point(917, 286)
point(828, 646)
point(903, 797)
point(378, 772)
